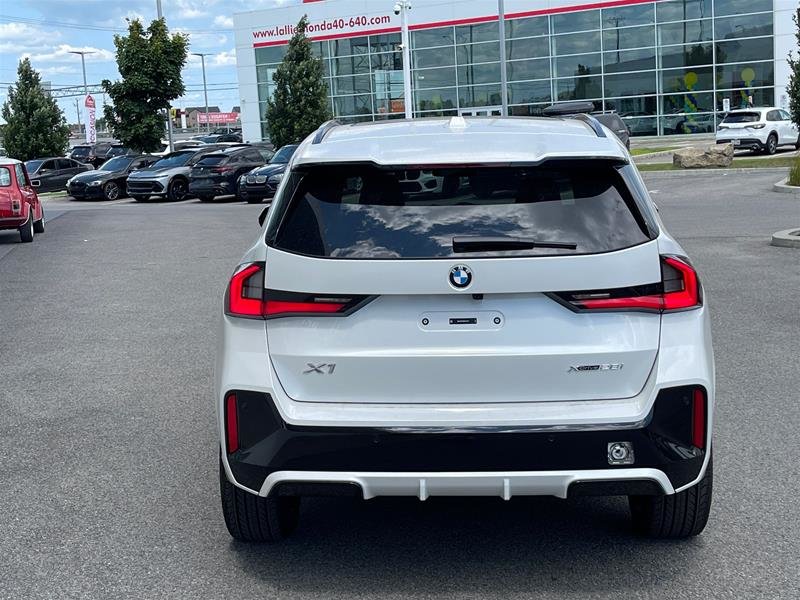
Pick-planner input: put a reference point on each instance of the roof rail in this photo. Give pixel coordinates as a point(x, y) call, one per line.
point(591, 122)
point(576, 110)
point(323, 130)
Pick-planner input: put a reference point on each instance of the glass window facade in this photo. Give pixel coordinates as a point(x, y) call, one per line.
point(364, 76)
point(666, 66)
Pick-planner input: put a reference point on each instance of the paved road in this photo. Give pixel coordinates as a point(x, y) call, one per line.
point(109, 458)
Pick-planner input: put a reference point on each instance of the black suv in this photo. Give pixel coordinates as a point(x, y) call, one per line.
point(92, 154)
point(216, 174)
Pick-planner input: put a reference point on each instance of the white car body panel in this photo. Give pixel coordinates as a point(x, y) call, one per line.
point(393, 374)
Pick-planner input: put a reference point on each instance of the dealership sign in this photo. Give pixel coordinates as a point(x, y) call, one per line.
point(217, 118)
point(91, 129)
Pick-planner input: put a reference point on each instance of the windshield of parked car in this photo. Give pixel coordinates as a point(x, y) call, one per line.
point(5, 177)
point(283, 155)
point(116, 151)
point(746, 117)
point(33, 165)
point(80, 151)
point(362, 211)
point(119, 163)
point(176, 159)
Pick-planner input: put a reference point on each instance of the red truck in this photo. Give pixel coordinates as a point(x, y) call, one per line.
point(20, 207)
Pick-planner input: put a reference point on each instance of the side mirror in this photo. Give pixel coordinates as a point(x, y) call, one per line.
point(36, 183)
point(263, 216)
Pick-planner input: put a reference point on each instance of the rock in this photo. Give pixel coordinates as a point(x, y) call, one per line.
point(700, 157)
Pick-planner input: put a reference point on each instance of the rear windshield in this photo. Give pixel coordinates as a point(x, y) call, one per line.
point(370, 212)
point(80, 151)
point(33, 165)
point(5, 177)
point(211, 160)
point(749, 117)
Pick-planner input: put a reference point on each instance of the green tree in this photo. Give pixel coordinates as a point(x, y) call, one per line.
point(300, 102)
point(793, 89)
point(150, 62)
point(35, 125)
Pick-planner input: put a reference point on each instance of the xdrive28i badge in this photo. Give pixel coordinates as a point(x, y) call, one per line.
point(460, 276)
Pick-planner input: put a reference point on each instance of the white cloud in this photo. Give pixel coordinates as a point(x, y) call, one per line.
point(16, 37)
point(63, 54)
point(223, 21)
point(224, 59)
point(59, 70)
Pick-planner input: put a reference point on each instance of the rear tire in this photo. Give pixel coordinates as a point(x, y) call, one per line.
point(26, 230)
point(771, 147)
point(678, 516)
point(251, 518)
point(38, 226)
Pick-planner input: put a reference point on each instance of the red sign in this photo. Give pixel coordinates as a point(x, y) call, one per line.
point(217, 118)
point(89, 103)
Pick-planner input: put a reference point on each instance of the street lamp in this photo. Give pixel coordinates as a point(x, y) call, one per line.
point(401, 8)
point(83, 54)
point(202, 56)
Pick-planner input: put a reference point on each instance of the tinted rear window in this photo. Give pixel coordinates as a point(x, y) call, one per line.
point(210, 161)
point(750, 117)
point(367, 212)
point(80, 151)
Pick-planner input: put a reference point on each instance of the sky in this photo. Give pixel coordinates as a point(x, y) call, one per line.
point(46, 30)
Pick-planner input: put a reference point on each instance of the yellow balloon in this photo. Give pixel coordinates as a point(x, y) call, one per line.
point(690, 79)
point(748, 74)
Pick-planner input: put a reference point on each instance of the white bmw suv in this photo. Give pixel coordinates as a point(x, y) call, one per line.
point(525, 327)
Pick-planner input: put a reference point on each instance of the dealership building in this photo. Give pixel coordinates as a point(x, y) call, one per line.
point(666, 66)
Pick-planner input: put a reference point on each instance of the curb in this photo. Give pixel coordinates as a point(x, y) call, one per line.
point(788, 238)
point(783, 187)
point(715, 171)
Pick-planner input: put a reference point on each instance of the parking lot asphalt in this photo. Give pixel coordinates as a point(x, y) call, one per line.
point(109, 452)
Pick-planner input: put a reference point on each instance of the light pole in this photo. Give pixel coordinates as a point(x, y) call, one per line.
point(402, 7)
point(160, 15)
point(202, 56)
point(83, 54)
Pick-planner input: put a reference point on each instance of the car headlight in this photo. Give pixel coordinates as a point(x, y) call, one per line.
point(276, 178)
point(95, 183)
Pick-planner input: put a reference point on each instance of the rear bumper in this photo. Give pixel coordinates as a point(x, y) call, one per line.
point(216, 189)
point(454, 461)
point(748, 143)
point(12, 222)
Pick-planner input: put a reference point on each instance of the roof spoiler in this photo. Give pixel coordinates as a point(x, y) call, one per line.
point(576, 110)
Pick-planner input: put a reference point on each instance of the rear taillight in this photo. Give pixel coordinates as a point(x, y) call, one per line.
point(247, 298)
point(679, 290)
point(231, 424)
point(222, 169)
point(16, 205)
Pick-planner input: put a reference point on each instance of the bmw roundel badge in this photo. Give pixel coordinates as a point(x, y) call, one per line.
point(460, 276)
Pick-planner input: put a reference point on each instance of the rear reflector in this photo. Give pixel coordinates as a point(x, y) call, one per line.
point(231, 424)
point(247, 298)
point(698, 419)
point(679, 289)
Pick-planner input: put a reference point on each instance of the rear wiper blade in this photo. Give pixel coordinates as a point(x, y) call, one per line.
point(478, 243)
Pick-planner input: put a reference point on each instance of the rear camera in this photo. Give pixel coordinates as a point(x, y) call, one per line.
point(620, 453)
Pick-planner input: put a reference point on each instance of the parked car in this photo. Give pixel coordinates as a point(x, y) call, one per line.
point(118, 150)
point(261, 183)
point(20, 207)
point(168, 177)
point(759, 129)
point(613, 121)
point(51, 174)
point(531, 330)
point(608, 118)
point(216, 174)
point(93, 154)
point(109, 181)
